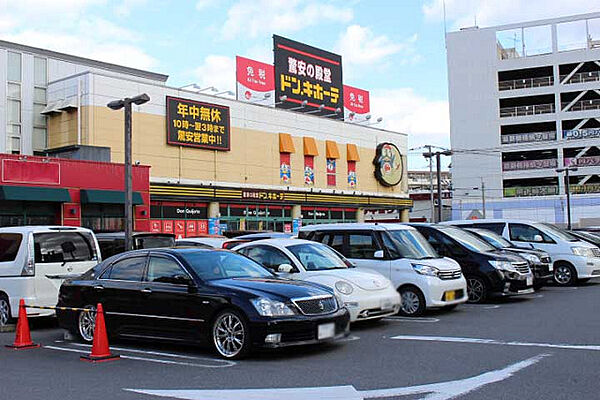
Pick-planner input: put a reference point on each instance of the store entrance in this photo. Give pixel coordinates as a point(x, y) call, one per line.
point(239, 217)
point(18, 213)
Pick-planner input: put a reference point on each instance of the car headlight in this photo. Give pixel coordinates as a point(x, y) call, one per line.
point(425, 269)
point(344, 287)
point(271, 308)
point(531, 258)
point(582, 251)
point(502, 265)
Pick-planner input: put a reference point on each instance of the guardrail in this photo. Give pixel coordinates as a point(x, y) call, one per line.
point(581, 77)
point(527, 137)
point(526, 83)
point(582, 105)
point(520, 111)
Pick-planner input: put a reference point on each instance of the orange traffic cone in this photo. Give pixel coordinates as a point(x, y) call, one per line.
point(23, 336)
point(100, 350)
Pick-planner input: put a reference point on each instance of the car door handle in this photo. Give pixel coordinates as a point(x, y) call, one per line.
point(147, 291)
point(99, 287)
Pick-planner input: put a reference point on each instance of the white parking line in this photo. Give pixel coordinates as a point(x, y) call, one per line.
point(412, 319)
point(452, 339)
point(560, 288)
point(224, 363)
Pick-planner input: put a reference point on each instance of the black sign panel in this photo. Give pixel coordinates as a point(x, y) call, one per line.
point(196, 124)
point(181, 212)
point(305, 73)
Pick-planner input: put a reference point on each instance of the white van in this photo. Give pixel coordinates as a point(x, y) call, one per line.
point(35, 260)
point(573, 260)
point(401, 254)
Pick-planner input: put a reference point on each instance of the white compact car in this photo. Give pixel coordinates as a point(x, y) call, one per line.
point(34, 262)
point(366, 294)
point(207, 242)
point(402, 254)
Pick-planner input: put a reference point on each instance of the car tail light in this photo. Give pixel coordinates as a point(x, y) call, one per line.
point(29, 267)
point(231, 244)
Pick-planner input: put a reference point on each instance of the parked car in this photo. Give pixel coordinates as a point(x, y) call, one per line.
point(205, 296)
point(488, 271)
point(539, 261)
point(251, 237)
point(573, 260)
point(590, 237)
point(34, 261)
point(366, 294)
point(205, 242)
point(112, 243)
point(400, 253)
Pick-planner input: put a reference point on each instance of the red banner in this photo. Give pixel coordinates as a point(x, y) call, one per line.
point(167, 226)
point(32, 172)
point(155, 226)
point(356, 101)
point(255, 81)
point(190, 228)
point(202, 226)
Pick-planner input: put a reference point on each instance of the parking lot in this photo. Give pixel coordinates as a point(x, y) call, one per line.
point(540, 346)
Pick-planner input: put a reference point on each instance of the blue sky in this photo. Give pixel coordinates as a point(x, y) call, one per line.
point(393, 48)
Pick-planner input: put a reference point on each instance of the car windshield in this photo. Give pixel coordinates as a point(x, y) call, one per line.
point(563, 235)
point(409, 243)
point(317, 257)
point(468, 239)
point(212, 265)
point(493, 238)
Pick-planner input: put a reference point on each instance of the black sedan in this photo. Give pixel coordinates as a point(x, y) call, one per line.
point(202, 296)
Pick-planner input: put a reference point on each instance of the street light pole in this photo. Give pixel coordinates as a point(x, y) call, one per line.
point(483, 197)
point(567, 191)
point(126, 105)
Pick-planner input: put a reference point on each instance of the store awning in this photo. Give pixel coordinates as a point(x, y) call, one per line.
point(310, 146)
point(352, 152)
point(286, 144)
point(34, 193)
point(108, 197)
point(331, 149)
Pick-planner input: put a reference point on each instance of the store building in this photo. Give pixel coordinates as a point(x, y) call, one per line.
point(524, 101)
point(53, 191)
point(215, 163)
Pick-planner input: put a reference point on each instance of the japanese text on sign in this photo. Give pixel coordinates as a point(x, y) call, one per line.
point(196, 124)
point(263, 195)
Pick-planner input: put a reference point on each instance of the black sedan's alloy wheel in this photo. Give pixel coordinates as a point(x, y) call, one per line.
point(476, 289)
point(86, 323)
point(231, 337)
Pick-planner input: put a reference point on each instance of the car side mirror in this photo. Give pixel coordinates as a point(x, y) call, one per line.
point(378, 254)
point(285, 269)
point(538, 238)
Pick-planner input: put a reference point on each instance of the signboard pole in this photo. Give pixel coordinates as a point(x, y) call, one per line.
point(128, 179)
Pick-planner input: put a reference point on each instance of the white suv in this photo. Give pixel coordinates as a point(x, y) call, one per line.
point(573, 260)
point(35, 260)
point(400, 253)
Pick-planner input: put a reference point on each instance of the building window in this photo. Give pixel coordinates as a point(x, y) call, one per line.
point(352, 157)
point(309, 170)
point(13, 103)
point(40, 78)
point(331, 181)
point(285, 168)
point(352, 174)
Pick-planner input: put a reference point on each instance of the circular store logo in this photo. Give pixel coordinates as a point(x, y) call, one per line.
point(389, 165)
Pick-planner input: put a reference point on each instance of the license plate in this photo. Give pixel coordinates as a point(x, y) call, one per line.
point(326, 331)
point(450, 295)
point(529, 280)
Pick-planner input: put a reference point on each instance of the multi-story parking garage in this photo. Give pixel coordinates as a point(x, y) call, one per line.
point(524, 101)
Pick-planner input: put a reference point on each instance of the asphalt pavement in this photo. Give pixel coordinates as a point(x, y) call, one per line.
point(540, 346)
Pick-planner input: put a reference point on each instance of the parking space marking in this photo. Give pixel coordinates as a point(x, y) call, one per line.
point(434, 391)
point(560, 289)
point(412, 319)
point(224, 363)
point(452, 339)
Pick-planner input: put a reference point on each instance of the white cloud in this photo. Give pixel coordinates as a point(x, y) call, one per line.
point(124, 7)
point(217, 71)
point(360, 47)
point(69, 26)
point(251, 18)
point(203, 4)
point(462, 13)
point(425, 121)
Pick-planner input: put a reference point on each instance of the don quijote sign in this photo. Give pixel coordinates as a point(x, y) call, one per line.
point(307, 74)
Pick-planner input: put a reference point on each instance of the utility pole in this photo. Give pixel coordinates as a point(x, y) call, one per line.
point(483, 197)
point(439, 184)
point(431, 183)
point(437, 155)
point(567, 191)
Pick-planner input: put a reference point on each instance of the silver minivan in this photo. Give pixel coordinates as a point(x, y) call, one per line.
point(34, 262)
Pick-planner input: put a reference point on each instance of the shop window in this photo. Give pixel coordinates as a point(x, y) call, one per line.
point(103, 217)
point(309, 170)
point(331, 171)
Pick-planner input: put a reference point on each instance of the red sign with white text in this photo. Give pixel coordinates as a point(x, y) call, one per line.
point(255, 81)
point(155, 226)
point(356, 101)
point(190, 227)
point(202, 226)
point(167, 226)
